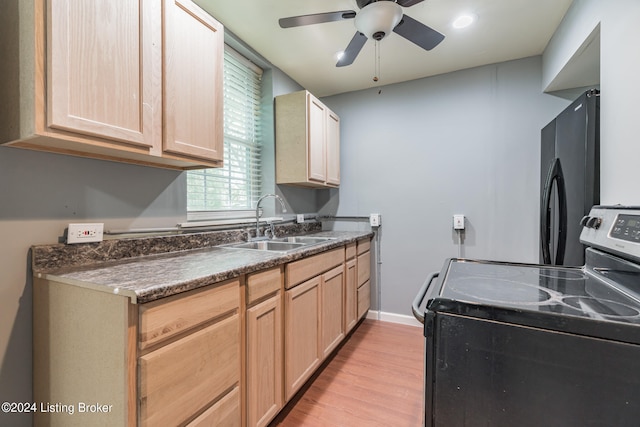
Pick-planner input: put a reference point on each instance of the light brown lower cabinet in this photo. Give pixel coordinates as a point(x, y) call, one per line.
point(350, 294)
point(222, 413)
point(231, 353)
point(364, 299)
point(170, 362)
point(364, 275)
point(314, 314)
point(302, 318)
point(331, 306)
point(183, 378)
point(264, 376)
point(189, 354)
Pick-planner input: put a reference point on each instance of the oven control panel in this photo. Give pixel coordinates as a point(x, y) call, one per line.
point(626, 227)
point(613, 229)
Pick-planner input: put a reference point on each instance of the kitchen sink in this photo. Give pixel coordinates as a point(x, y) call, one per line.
point(267, 245)
point(307, 240)
point(280, 244)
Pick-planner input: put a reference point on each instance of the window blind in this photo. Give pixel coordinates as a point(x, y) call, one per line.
point(237, 185)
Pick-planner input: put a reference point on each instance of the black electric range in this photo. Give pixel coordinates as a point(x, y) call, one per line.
point(528, 345)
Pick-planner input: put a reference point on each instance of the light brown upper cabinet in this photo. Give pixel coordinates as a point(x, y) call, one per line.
point(99, 76)
point(307, 142)
point(193, 60)
point(130, 81)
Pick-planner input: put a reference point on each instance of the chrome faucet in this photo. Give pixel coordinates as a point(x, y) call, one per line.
point(258, 210)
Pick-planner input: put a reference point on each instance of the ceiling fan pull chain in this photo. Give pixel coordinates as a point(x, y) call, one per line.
point(376, 61)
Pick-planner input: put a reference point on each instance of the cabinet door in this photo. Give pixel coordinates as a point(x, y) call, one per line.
point(333, 148)
point(332, 303)
point(364, 298)
point(301, 346)
point(264, 361)
point(364, 267)
point(103, 69)
point(316, 166)
point(193, 66)
point(350, 299)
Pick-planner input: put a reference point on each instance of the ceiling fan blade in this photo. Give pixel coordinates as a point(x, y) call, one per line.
point(418, 33)
point(408, 3)
point(403, 3)
point(352, 51)
point(316, 18)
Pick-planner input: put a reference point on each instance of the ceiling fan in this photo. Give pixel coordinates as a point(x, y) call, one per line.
point(376, 20)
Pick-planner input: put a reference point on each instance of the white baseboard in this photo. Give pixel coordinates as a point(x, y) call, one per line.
point(394, 318)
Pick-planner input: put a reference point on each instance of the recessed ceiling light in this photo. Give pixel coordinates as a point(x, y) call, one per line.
point(463, 21)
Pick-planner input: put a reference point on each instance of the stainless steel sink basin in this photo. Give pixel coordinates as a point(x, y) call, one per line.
point(268, 245)
point(280, 244)
point(307, 240)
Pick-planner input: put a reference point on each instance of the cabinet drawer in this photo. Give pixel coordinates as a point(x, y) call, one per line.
point(226, 412)
point(263, 283)
point(363, 246)
point(163, 319)
point(364, 299)
point(364, 267)
point(183, 377)
point(298, 271)
point(351, 250)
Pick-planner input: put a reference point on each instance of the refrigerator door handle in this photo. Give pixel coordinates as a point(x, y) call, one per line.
point(545, 216)
point(554, 177)
point(562, 228)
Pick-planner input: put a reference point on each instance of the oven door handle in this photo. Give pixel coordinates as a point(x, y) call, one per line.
point(420, 297)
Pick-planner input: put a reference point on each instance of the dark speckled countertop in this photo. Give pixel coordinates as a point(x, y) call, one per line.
point(150, 277)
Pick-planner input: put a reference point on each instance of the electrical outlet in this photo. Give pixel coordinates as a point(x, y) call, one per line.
point(85, 233)
point(458, 222)
point(300, 218)
point(375, 219)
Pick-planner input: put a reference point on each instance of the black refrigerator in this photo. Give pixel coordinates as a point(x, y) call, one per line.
point(569, 179)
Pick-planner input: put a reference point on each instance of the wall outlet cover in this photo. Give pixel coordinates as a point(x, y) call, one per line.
point(375, 219)
point(85, 233)
point(458, 222)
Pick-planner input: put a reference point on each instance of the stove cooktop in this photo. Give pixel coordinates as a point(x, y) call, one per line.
point(600, 299)
point(563, 291)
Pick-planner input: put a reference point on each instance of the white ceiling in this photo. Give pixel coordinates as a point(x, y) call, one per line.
point(504, 30)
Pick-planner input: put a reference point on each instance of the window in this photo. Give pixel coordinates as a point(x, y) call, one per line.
point(237, 185)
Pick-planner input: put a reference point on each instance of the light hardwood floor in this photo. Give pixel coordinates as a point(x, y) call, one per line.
point(374, 379)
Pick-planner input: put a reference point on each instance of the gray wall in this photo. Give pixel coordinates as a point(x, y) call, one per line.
point(40, 194)
point(461, 143)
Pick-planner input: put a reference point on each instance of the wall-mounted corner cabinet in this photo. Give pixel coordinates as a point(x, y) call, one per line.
point(130, 81)
point(307, 142)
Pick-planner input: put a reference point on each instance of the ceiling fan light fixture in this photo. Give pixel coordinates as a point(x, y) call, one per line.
point(376, 20)
point(463, 21)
